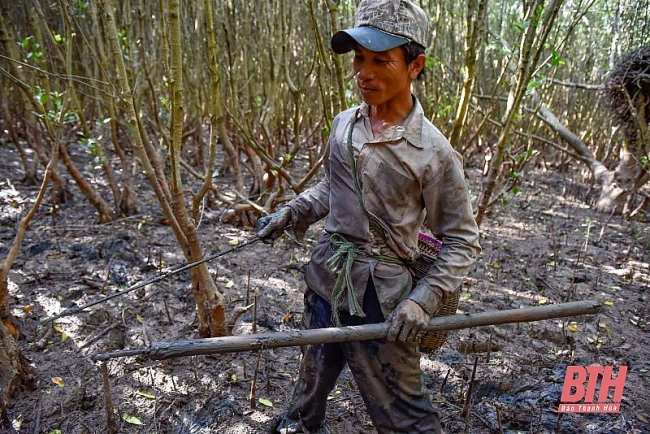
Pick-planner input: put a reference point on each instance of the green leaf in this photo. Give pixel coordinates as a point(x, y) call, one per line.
point(131, 419)
point(608, 303)
point(58, 381)
point(556, 59)
point(64, 335)
point(266, 402)
point(431, 62)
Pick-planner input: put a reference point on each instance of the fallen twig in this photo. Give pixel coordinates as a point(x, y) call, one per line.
point(111, 425)
point(468, 398)
point(99, 334)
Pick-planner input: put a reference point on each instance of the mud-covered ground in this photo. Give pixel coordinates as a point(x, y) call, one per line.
point(545, 246)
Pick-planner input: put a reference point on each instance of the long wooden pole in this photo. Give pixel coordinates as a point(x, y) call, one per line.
point(232, 344)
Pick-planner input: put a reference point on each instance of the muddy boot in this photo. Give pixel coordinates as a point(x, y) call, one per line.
point(290, 426)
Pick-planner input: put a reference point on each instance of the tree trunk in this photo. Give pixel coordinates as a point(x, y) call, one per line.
point(126, 198)
point(29, 167)
point(13, 367)
point(476, 24)
point(530, 51)
point(148, 158)
point(9, 43)
point(105, 213)
point(618, 186)
point(11, 370)
point(210, 303)
point(339, 101)
point(86, 188)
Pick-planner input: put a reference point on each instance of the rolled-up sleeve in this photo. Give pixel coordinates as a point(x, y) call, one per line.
point(309, 207)
point(451, 220)
point(314, 204)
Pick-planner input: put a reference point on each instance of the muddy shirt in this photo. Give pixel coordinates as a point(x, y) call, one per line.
point(410, 177)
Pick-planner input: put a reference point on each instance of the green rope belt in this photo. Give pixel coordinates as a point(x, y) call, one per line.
point(341, 263)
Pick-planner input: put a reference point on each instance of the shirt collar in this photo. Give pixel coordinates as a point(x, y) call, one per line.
point(410, 130)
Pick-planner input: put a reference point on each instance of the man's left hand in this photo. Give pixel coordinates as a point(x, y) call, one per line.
point(408, 322)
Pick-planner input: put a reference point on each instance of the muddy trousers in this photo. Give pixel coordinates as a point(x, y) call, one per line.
point(387, 374)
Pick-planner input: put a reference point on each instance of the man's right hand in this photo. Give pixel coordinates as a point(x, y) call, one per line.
point(270, 227)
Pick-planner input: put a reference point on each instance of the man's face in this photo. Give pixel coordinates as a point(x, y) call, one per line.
point(382, 77)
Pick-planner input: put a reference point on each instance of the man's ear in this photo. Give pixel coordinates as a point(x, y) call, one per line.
point(417, 66)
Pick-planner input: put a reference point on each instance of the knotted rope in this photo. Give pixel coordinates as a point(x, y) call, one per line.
point(341, 263)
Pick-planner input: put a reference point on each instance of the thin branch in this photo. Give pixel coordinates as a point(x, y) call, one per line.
point(578, 85)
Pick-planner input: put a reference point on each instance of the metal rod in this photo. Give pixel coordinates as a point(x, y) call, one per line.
point(73, 310)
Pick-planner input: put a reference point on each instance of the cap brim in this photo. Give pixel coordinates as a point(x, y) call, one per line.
point(368, 37)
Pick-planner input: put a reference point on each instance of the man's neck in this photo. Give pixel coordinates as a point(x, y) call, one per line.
point(385, 116)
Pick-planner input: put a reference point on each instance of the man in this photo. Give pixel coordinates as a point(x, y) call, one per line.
point(389, 172)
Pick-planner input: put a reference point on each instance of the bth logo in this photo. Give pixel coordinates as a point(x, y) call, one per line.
point(576, 398)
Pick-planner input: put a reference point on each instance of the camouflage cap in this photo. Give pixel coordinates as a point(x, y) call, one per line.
point(381, 25)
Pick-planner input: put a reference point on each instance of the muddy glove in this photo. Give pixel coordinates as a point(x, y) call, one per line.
point(270, 227)
point(408, 322)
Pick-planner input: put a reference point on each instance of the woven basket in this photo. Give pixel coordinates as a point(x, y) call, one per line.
point(429, 248)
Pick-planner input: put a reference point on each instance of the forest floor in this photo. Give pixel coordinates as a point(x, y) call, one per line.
point(545, 246)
